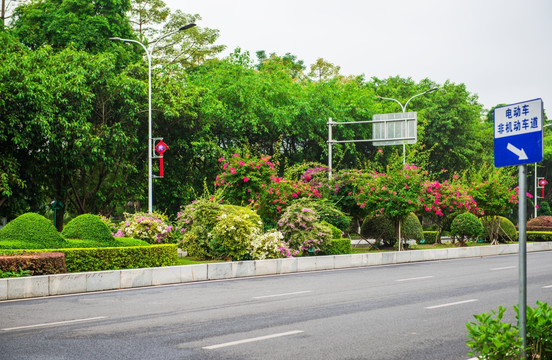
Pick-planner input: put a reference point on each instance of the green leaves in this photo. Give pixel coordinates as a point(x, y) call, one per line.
point(493, 339)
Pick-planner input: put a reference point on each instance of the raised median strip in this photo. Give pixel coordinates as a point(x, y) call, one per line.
point(72, 283)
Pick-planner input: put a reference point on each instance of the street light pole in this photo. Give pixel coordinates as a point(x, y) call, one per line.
point(150, 136)
point(403, 108)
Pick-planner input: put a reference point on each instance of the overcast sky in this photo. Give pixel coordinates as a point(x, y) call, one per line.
point(501, 49)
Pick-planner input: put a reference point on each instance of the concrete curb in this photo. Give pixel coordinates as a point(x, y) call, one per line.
point(72, 283)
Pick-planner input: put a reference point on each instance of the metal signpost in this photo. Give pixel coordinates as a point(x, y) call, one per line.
point(387, 129)
point(518, 141)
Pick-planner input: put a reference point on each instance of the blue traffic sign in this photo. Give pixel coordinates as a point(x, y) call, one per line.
point(518, 133)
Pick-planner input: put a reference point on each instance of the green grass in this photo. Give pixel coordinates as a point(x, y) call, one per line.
point(189, 260)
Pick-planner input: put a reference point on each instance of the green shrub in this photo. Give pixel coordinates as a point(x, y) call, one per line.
point(30, 231)
point(336, 233)
point(115, 258)
point(411, 228)
point(195, 222)
point(252, 215)
point(466, 226)
point(430, 237)
point(88, 227)
point(155, 228)
point(381, 228)
point(338, 247)
point(302, 230)
point(539, 235)
point(233, 234)
point(506, 230)
point(493, 339)
point(328, 212)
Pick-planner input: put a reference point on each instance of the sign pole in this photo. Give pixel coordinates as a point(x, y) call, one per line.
point(522, 216)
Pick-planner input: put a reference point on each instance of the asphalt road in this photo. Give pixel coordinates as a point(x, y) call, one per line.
point(410, 311)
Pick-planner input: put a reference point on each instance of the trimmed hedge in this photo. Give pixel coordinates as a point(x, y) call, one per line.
point(115, 258)
point(338, 247)
point(539, 235)
point(36, 263)
point(429, 237)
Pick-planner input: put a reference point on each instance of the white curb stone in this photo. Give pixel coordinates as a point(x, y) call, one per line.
point(3, 289)
point(67, 283)
point(136, 277)
point(103, 280)
point(216, 271)
point(26, 287)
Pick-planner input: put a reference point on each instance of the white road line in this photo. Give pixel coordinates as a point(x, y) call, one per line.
point(278, 295)
point(54, 323)
point(416, 278)
point(232, 343)
point(451, 304)
point(504, 268)
point(547, 287)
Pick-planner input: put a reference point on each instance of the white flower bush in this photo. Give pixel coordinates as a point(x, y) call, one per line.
point(154, 228)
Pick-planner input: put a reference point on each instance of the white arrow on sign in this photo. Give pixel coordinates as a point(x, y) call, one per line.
point(521, 153)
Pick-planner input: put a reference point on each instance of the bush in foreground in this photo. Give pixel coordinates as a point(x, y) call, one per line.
point(492, 339)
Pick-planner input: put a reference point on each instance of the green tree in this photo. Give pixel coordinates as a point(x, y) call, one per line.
point(323, 70)
point(86, 24)
point(495, 193)
point(144, 15)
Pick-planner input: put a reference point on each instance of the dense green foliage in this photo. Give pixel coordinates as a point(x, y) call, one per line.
point(88, 227)
point(493, 339)
point(506, 229)
point(379, 227)
point(114, 258)
point(31, 231)
point(338, 247)
point(539, 236)
point(466, 226)
point(69, 95)
point(430, 237)
point(412, 228)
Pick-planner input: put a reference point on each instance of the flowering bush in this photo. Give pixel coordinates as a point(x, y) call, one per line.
point(269, 245)
point(302, 230)
point(232, 236)
point(280, 193)
point(154, 228)
point(443, 201)
point(244, 176)
point(195, 222)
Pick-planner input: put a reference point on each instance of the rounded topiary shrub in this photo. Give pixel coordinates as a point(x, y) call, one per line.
point(540, 223)
point(466, 226)
point(411, 228)
point(30, 231)
point(88, 227)
point(506, 229)
point(381, 228)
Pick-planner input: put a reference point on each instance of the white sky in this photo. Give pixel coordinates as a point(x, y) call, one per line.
point(501, 49)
